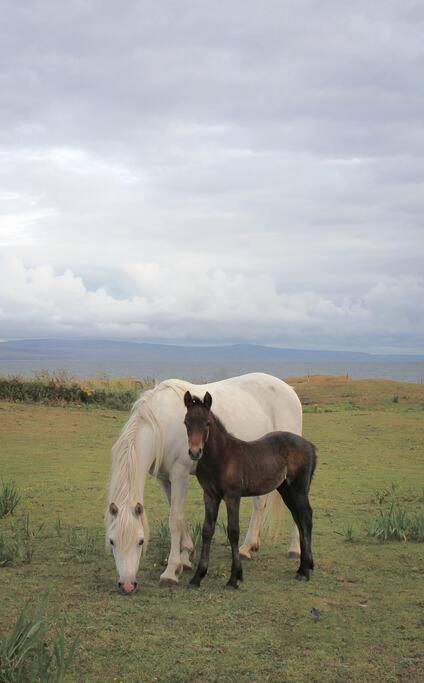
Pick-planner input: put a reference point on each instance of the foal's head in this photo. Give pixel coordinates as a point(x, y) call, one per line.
point(197, 423)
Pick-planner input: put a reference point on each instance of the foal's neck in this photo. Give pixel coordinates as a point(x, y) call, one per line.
point(218, 435)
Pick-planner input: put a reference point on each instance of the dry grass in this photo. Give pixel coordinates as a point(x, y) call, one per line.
point(338, 393)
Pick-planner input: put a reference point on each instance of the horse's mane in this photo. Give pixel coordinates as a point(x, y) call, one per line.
point(125, 488)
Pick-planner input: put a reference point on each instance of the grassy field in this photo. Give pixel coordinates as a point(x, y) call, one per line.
point(369, 595)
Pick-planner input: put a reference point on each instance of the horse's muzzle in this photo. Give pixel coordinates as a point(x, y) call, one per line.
point(195, 455)
point(127, 588)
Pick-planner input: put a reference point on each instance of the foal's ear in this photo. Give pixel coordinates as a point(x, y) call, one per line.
point(113, 509)
point(138, 509)
point(207, 400)
point(187, 399)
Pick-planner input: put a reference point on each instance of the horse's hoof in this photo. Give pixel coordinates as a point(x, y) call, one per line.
point(193, 586)
point(168, 583)
point(293, 555)
point(244, 552)
point(229, 587)
point(187, 567)
point(301, 577)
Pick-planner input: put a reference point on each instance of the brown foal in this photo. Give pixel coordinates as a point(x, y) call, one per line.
point(229, 468)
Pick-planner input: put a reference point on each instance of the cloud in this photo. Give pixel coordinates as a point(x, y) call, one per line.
point(184, 171)
point(205, 303)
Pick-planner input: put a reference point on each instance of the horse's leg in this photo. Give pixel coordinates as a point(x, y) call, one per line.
point(178, 478)
point(294, 547)
point(297, 501)
point(186, 545)
point(251, 542)
point(233, 527)
point(211, 513)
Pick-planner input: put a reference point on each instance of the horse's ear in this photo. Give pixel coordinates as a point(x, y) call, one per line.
point(187, 399)
point(138, 509)
point(113, 509)
point(207, 400)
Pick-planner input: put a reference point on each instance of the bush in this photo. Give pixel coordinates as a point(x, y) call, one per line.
point(26, 656)
point(62, 388)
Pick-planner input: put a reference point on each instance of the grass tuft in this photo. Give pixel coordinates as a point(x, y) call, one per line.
point(9, 498)
point(349, 534)
point(81, 544)
point(17, 546)
point(394, 521)
point(160, 544)
point(25, 654)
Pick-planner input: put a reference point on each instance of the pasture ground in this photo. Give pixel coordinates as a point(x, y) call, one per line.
point(369, 595)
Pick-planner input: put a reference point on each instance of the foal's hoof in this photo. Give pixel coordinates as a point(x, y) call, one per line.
point(168, 583)
point(187, 567)
point(301, 577)
point(293, 555)
point(229, 587)
point(193, 586)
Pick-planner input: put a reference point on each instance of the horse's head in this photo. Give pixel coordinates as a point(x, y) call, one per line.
point(126, 533)
point(197, 422)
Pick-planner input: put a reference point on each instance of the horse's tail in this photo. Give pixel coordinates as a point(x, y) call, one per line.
point(272, 519)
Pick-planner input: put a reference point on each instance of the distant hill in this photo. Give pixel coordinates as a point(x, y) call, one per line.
point(95, 349)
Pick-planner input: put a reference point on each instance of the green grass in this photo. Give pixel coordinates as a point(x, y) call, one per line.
point(368, 593)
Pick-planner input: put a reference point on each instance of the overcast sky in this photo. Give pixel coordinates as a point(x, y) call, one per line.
point(221, 171)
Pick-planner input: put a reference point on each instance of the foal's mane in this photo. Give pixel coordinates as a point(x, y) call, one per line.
point(196, 401)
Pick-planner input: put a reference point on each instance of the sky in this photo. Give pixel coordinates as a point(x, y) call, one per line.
point(213, 172)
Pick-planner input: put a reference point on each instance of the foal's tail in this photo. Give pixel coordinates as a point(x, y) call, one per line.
point(272, 520)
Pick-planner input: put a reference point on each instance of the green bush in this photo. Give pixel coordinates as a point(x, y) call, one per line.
point(61, 388)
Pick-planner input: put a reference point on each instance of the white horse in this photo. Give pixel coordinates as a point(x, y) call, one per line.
point(154, 440)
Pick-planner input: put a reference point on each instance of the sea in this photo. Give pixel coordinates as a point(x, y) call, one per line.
point(200, 372)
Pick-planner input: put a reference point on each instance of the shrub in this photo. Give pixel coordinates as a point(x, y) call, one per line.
point(61, 388)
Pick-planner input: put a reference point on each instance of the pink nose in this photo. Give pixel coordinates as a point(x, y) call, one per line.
point(127, 587)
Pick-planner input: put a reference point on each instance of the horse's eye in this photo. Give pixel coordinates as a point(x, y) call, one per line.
point(111, 542)
point(141, 541)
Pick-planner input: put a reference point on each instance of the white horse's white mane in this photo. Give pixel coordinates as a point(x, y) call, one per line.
point(125, 485)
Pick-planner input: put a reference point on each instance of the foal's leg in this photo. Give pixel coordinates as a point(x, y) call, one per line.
point(297, 501)
point(211, 513)
point(233, 512)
